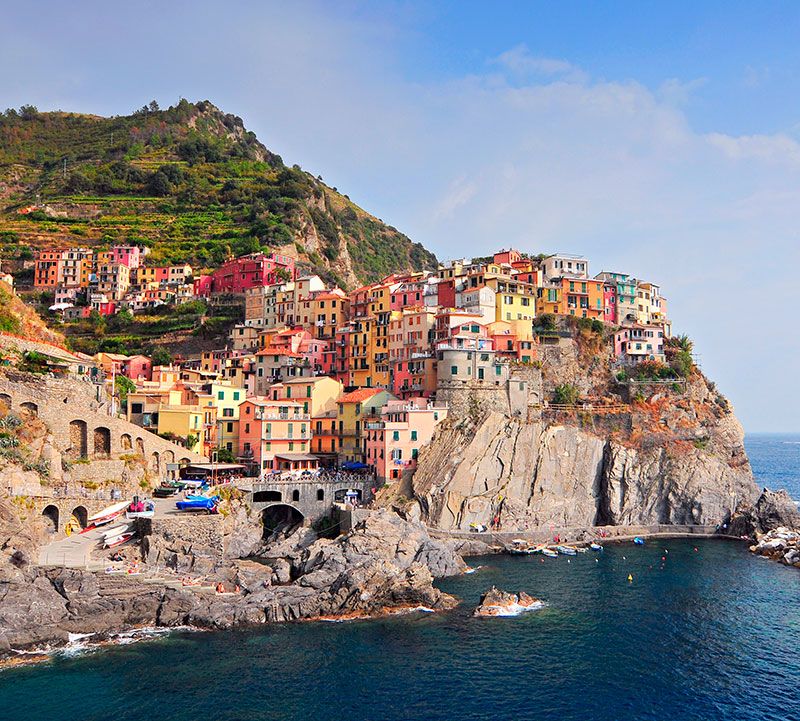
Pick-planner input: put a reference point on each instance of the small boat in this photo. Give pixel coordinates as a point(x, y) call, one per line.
point(520, 547)
point(581, 549)
point(143, 509)
point(567, 550)
point(118, 540)
point(639, 541)
point(595, 547)
point(165, 491)
point(198, 504)
point(117, 530)
point(106, 515)
point(550, 553)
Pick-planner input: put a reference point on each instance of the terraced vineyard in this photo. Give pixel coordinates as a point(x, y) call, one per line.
point(189, 183)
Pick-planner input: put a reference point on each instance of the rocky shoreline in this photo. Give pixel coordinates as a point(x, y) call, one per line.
point(384, 565)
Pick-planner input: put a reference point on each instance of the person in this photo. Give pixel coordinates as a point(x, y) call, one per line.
point(220, 587)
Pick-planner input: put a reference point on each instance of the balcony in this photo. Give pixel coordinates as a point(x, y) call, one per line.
point(282, 417)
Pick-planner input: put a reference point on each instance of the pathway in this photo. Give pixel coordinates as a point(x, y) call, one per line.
point(73, 551)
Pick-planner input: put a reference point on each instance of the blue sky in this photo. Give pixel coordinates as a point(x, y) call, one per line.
point(659, 139)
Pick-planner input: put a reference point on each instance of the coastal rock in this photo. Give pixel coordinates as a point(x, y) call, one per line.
point(514, 474)
point(780, 544)
point(501, 603)
point(772, 510)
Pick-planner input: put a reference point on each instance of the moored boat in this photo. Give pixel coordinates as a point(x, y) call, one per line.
point(567, 550)
point(639, 541)
point(549, 552)
point(595, 547)
point(140, 509)
point(113, 541)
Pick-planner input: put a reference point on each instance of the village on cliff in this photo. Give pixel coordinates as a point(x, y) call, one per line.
point(318, 378)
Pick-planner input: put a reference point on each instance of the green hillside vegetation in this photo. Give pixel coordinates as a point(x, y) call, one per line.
point(190, 183)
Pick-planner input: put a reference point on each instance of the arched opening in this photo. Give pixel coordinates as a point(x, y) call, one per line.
point(102, 442)
point(77, 440)
point(267, 497)
point(279, 517)
point(5, 403)
point(50, 514)
point(154, 464)
point(29, 409)
point(295, 495)
point(140, 447)
point(168, 457)
point(78, 520)
point(126, 442)
point(340, 496)
point(320, 494)
point(184, 461)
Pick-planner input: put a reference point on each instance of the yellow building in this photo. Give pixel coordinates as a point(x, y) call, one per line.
point(184, 422)
point(361, 351)
point(352, 411)
point(514, 300)
point(317, 394)
point(227, 399)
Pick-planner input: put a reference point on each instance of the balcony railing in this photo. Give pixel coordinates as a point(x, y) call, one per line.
point(282, 417)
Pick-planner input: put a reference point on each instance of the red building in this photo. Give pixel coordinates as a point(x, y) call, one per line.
point(610, 303)
point(252, 271)
point(202, 286)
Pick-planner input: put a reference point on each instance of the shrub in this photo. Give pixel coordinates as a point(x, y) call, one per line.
point(567, 394)
point(682, 363)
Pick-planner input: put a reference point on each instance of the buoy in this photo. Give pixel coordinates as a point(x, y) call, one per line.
point(623, 558)
point(663, 558)
point(568, 561)
point(695, 549)
point(630, 578)
point(597, 560)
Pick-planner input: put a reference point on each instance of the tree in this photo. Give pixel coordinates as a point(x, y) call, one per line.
point(225, 456)
point(682, 363)
point(153, 107)
point(159, 184)
point(123, 386)
point(160, 356)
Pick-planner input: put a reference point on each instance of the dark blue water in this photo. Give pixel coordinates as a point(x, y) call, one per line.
point(705, 634)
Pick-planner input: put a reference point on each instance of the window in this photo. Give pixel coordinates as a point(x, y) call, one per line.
point(395, 435)
point(414, 452)
point(413, 435)
point(137, 408)
point(221, 395)
point(497, 370)
point(229, 427)
point(227, 412)
point(236, 395)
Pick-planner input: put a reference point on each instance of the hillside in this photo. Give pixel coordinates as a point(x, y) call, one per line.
point(18, 319)
point(191, 184)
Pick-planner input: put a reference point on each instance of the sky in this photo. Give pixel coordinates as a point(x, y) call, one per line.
point(657, 139)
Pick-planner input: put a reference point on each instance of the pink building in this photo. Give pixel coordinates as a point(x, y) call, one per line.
point(129, 255)
point(394, 442)
point(202, 286)
point(137, 368)
point(275, 435)
point(252, 271)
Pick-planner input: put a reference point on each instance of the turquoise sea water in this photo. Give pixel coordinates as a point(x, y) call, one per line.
point(705, 634)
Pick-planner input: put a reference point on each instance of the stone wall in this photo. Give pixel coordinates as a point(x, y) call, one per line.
point(76, 413)
point(185, 543)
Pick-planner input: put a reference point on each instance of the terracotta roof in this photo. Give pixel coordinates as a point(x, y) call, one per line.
point(359, 395)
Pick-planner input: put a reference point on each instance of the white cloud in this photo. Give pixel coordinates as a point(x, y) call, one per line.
point(520, 61)
point(769, 148)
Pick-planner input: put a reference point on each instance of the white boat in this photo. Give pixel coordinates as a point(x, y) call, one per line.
point(567, 550)
point(148, 511)
point(595, 547)
point(117, 530)
point(107, 514)
point(549, 552)
point(117, 540)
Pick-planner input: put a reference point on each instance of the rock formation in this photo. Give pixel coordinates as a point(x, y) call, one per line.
point(383, 564)
point(496, 603)
point(672, 459)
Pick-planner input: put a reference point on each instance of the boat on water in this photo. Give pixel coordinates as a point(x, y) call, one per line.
point(639, 541)
point(581, 549)
point(105, 516)
point(595, 547)
point(520, 547)
point(140, 509)
point(567, 550)
point(550, 553)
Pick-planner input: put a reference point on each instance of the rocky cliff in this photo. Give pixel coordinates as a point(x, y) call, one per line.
point(670, 458)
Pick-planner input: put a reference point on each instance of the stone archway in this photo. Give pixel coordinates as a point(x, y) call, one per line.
point(78, 520)
point(280, 515)
point(155, 462)
point(140, 447)
point(50, 514)
point(125, 442)
point(5, 403)
point(102, 442)
point(295, 495)
point(267, 497)
point(29, 409)
point(168, 457)
point(320, 494)
point(77, 440)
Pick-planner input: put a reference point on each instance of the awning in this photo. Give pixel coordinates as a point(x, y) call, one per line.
point(353, 465)
point(296, 457)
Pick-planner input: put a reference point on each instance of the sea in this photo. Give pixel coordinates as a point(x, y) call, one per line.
point(679, 630)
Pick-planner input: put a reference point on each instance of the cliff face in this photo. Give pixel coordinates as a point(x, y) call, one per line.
point(670, 460)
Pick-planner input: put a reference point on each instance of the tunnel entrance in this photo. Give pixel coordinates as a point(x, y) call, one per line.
point(280, 517)
point(50, 515)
